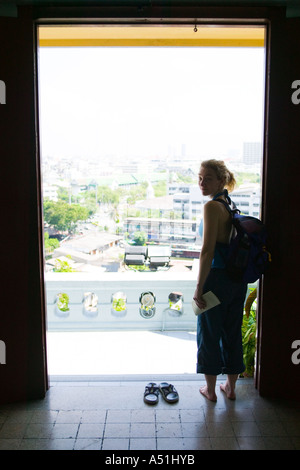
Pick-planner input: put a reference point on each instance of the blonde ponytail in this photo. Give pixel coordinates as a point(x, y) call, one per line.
point(222, 172)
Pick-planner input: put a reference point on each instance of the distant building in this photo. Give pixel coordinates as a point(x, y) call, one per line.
point(88, 248)
point(188, 200)
point(162, 229)
point(50, 192)
point(248, 199)
point(252, 153)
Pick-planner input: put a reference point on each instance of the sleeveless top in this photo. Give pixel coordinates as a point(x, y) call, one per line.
point(221, 249)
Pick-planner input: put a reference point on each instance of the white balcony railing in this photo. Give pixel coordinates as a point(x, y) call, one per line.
point(90, 303)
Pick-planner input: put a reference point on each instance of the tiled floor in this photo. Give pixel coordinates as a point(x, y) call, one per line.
point(112, 416)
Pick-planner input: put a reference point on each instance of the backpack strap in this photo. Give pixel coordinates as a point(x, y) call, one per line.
point(227, 205)
point(223, 193)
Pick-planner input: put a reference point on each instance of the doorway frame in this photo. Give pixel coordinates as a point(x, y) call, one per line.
point(218, 20)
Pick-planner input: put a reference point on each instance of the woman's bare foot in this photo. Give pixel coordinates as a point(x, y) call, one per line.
point(227, 390)
point(210, 396)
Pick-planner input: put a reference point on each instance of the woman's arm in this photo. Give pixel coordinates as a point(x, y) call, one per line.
point(208, 249)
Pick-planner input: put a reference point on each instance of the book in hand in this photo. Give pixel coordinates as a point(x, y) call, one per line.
point(211, 301)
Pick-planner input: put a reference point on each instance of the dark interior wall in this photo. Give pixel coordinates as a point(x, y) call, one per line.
point(21, 312)
point(24, 376)
point(279, 321)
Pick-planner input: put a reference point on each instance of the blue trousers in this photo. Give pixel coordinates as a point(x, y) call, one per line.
point(219, 338)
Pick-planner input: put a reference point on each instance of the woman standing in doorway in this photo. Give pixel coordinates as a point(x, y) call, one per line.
point(219, 337)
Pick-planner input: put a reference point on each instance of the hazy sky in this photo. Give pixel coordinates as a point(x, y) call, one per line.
point(146, 101)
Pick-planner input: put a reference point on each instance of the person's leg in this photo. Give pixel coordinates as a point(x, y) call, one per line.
point(231, 335)
point(209, 329)
point(232, 341)
point(209, 389)
point(229, 387)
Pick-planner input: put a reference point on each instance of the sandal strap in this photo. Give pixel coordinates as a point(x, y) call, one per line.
point(151, 389)
point(169, 389)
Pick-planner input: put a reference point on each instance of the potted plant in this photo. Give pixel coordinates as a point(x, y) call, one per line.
point(249, 334)
point(147, 301)
point(175, 304)
point(62, 305)
point(90, 304)
point(119, 307)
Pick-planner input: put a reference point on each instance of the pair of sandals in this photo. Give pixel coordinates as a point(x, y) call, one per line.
point(167, 390)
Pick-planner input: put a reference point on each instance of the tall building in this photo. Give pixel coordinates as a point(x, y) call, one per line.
point(252, 152)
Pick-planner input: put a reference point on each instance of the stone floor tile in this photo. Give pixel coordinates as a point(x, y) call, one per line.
point(196, 416)
point(65, 431)
point(224, 443)
point(10, 444)
point(47, 444)
point(245, 428)
point(44, 416)
point(199, 443)
point(19, 416)
point(143, 416)
point(165, 443)
point(295, 441)
point(90, 430)
point(217, 415)
point(88, 444)
point(278, 443)
point(167, 416)
point(3, 416)
point(240, 414)
point(265, 414)
point(39, 431)
point(251, 443)
point(117, 430)
point(220, 429)
point(271, 428)
point(292, 428)
point(194, 430)
point(115, 444)
point(13, 430)
point(93, 416)
point(147, 443)
point(69, 416)
point(118, 416)
point(168, 430)
point(142, 430)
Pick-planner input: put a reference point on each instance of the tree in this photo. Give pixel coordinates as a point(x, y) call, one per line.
point(140, 238)
point(63, 216)
point(50, 243)
point(62, 266)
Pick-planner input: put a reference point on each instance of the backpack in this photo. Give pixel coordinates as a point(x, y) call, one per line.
point(247, 257)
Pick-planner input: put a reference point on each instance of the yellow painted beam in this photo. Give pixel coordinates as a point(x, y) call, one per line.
point(141, 36)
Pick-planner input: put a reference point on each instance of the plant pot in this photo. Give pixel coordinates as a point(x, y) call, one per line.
point(119, 307)
point(147, 309)
point(62, 305)
point(90, 304)
point(175, 304)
